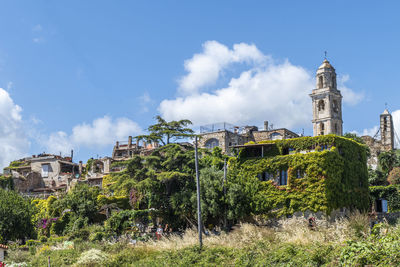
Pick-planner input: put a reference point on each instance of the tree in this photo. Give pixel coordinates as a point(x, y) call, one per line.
point(394, 176)
point(355, 137)
point(164, 131)
point(15, 217)
point(387, 160)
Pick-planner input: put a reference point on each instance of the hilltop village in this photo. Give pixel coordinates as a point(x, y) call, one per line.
point(47, 174)
point(323, 190)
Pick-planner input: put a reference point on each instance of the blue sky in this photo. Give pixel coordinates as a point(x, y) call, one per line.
point(84, 73)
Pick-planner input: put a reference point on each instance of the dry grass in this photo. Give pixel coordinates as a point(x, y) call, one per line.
point(294, 230)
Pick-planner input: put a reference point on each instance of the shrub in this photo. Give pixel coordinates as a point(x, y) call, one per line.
point(394, 176)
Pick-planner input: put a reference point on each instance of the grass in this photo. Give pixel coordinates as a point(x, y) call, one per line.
point(345, 242)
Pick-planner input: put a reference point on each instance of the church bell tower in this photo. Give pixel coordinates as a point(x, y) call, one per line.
point(327, 102)
point(387, 131)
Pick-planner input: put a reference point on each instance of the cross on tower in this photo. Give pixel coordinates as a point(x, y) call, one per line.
point(325, 54)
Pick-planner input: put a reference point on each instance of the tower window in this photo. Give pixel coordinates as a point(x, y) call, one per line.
point(320, 81)
point(335, 106)
point(322, 128)
point(336, 128)
point(321, 105)
point(334, 81)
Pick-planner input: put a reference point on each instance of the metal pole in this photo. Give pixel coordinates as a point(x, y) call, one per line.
point(199, 225)
point(225, 215)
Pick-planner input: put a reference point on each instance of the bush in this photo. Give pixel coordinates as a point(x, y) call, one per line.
point(394, 176)
point(15, 217)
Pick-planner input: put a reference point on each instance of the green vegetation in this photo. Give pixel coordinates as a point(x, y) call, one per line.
point(333, 176)
point(164, 131)
point(89, 226)
point(347, 242)
point(15, 217)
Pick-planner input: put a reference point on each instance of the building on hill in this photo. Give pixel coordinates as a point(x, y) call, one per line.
point(382, 141)
point(323, 173)
point(225, 135)
point(43, 174)
point(326, 102)
point(126, 150)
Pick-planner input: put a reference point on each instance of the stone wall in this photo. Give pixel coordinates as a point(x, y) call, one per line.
point(376, 148)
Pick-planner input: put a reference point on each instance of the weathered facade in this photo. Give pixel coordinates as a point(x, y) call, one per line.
point(126, 150)
point(42, 174)
point(225, 138)
point(386, 141)
point(326, 102)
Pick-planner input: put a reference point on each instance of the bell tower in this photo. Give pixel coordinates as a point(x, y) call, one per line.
point(326, 102)
point(387, 131)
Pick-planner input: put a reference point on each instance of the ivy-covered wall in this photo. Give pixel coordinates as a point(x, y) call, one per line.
point(324, 173)
point(391, 193)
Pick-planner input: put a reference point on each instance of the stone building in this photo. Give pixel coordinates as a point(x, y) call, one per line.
point(42, 174)
point(126, 150)
point(225, 135)
point(384, 143)
point(326, 102)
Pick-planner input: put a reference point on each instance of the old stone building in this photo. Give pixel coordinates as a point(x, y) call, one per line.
point(126, 150)
point(225, 135)
point(385, 142)
point(326, 102)
point(42, 174)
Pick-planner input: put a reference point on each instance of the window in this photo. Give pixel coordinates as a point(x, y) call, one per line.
point(381, 205)
point(320, 82)
point(265, 176)
point(211, 143)
point(322, 128)
point(276, 136)
point(45, 170)
point(283, 177)
point(299, 174)
point(321, 105)
point(335, 106)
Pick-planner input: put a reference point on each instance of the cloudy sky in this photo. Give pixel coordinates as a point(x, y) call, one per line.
point(82, 74)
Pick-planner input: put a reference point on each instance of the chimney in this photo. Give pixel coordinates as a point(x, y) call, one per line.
point(72, 154)
point(130, 141)
point(117, 144)
point(266, 125)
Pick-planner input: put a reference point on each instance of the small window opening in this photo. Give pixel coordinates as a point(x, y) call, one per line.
point(320, 81)
point(321, 105)
point(283, 177)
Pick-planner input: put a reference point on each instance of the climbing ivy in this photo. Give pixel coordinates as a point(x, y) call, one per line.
point(332, 173)
point(391, 193)
point(6, 182)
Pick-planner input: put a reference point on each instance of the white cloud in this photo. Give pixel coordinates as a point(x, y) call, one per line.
point(278, 92)
point(205, 68)
point(350, 97)
point(13, 142)
point(99, 133)
point(145, 100)
point(371, 131)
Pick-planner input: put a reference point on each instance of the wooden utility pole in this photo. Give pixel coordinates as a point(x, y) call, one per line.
point(199, 225)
